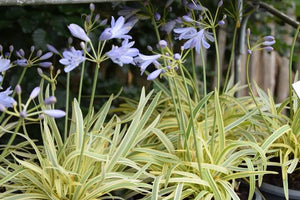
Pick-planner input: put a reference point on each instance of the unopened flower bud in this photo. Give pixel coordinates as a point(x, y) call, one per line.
point(97, 17)
point(32, 48)
point(268, 48)
point(220, 3)
point(163, 44)
point(268, 43)
point(149, 48)
point(22, 52)
point(46, 56)
point(88, 18)
point(187, 18)
point(55, 113)
point(40, 71)
point(249, 51)
point(18, 89)
point(52, 49)
point(11, 48)
point(157, 16)
point(269, 38)
point(92, 7)
point(1, 48)
point(41, 116)
point(177, 56)
point(35, 92)
point(58, 71)
point(23, 114)
point(248, 32)
point(45, 64)
point(70, 40)
point(50, 100)
point(39, 53)
point(221, 23)
point(82, 45)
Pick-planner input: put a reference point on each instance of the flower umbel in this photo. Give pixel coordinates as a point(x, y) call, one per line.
point(71, 59)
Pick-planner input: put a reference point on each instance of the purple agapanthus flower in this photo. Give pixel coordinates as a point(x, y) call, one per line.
point(5, 99)
point(4, 65)
point(143, 61)
point(185, 33)
point(71, 59)
point(78, 32)
point(194, 39)
point(118, 29)
point(124, 54)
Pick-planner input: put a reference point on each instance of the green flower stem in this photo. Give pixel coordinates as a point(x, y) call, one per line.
point(197, 143)
point(252, 95)
point(230, 59)
point(12, 138)
point(204, 92)
point(195, 80)
point(81, 80)
point(218, 59)
point(180, 116)
point(290, 72)
point(67, 107)
point(94, 87)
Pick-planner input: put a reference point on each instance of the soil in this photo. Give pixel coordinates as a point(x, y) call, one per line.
point(276, 179)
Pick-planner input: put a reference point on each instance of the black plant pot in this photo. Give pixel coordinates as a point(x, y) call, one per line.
point(273, 192)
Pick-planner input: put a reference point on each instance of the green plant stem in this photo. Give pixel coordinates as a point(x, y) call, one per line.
point(12, 138)
point(197, 143)
point(94, 87)
point(180, 116)
point(252, 94)
point(194, 74)
point(81, 80)
point(204, 92)
point(218, 59)
point(290, 72)
point(230, 59)
point(67, 107)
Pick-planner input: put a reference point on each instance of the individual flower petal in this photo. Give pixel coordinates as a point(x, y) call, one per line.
point(153, 75)
point(71, 59)
point(78, 32)
point(55, 113)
